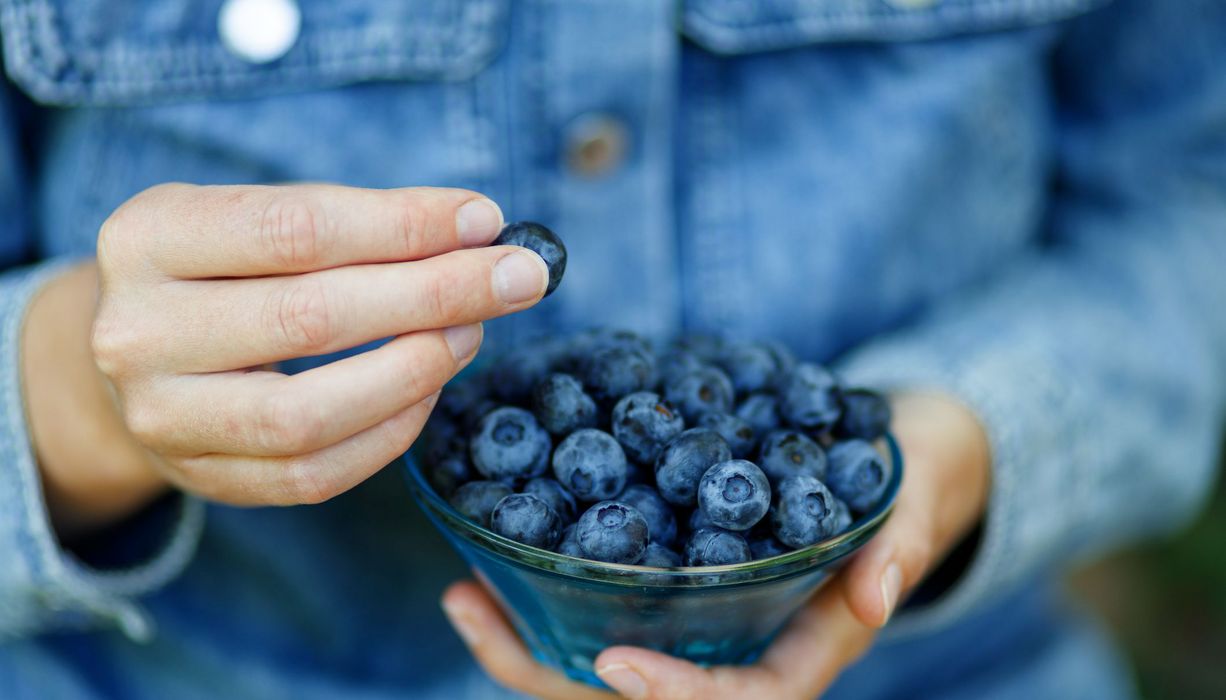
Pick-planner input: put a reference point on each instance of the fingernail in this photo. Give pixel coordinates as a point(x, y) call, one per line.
point(624, 679)
point(462, 626)
point(477, 222)
point(520, 276)
point(463, 340)
point(891, 585)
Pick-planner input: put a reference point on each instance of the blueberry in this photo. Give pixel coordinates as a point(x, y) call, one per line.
point(806, 512)
point(866, 415)
point(704, 346)
point(676, 363)
point(786, 453)
point(705, 389)
point(684, 460)
point(766, 545)
point(591, 464)
point(460, 396)
point(734, 494)
point(525, 518)
point(514, 376)
point(735, 431)
point(857, 474)
point(476, 499)
point(751, 367)
point(711, 546)
point(568, 544)
point(470, 422)
point(613, 532)
point(449, 473)
point(659, 556)
point(642, 423)
point(553, 493)
point(699, 520)
point(541, 241)
point(661, 522)
point(561, 406)
point(620, 337)
point(614, 371)
point(784, 359)
point(510, 444)
point(809, 398)
point(760, 411)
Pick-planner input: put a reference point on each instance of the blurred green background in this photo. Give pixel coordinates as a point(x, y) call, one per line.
point(1166, 602)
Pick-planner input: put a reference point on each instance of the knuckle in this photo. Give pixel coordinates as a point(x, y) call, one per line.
point(410, 224)
point(302, 482)
point(292, 229)
point(299, 315)
point(435, 299)
point(284, 425)
point(146, 422)
point(113, 344)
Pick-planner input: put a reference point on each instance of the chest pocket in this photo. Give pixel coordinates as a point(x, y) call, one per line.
point(109, 52)
point(743, 26)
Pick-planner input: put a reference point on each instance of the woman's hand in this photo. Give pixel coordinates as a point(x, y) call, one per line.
point(943, 495)
point(203, 287)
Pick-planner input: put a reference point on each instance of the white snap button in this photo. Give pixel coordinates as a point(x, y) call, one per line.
point(259, 31)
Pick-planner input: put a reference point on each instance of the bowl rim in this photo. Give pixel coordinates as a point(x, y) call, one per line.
point(770, 568)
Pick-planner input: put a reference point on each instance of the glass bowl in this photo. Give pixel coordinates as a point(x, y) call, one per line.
point(568, 610)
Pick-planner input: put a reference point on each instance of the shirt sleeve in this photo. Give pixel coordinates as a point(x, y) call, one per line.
point(44, 586)
point(1097, 363)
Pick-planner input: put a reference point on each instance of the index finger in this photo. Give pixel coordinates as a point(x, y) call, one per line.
point(257, 230)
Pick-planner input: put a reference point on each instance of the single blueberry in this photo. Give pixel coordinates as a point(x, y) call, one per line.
point(525, 518)
point(711, 546)
point(476, 499)
point(784, 359)
point(786, 453)
point(866, 415)
point(643, 423)
point(614, 371)
point(591, 464)
point(659, 556)
point(806, 512)
point(513, 377)
point(760, 411)
point(751, 367)
point(734, 494)
point(705, 389)
point(470, 422)
point(561, 405)
point(676, 363)
point(698, 520)
point(553, 493)
point(460, 396)
point(449, 472)
point(684, 460)
point(510, 444)
point(765, 545)
point(612, 531)
point(568, 544)
point(661, 522)
point(540, 240)
point(857, 474)
point(735, 431)
point(809, 398)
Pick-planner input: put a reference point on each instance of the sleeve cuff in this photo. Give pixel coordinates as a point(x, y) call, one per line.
point(43, 586)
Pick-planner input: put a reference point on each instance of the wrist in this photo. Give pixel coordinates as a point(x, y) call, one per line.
point(93, 472)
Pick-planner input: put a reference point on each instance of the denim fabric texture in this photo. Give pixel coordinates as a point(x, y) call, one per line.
point(1019, 202)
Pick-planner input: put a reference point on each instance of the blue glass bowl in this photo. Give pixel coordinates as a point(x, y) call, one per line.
point(568, 610)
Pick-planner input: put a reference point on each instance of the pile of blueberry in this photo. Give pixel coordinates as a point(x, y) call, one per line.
point(701, 454)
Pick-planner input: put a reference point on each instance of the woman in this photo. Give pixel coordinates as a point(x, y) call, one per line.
point(1010, 213)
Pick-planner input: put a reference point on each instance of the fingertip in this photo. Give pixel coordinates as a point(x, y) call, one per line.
point(863, 586)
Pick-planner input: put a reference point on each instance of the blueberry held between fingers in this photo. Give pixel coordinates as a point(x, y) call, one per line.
point(809, 398)
point(511, 445)
point(553, 493)
point(857, 474)
point(684, 460)
point(806, 512)
point(661, 522)
point(613, 532)
point(591, 464)
point(540, 240)
point(643, 422)
point(476, 499)
point(734, 495)
point(866, 415)
point(525, 518)
point(561, 405)
point(711, 546)
point(787, 453)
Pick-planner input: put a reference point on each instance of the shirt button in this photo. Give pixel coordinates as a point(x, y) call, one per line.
point(259, 31)
point(596, 144)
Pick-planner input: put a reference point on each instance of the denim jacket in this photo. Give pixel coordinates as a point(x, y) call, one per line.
point(1021, 203)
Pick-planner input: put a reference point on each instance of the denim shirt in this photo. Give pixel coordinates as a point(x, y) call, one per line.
point(1021, 203)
